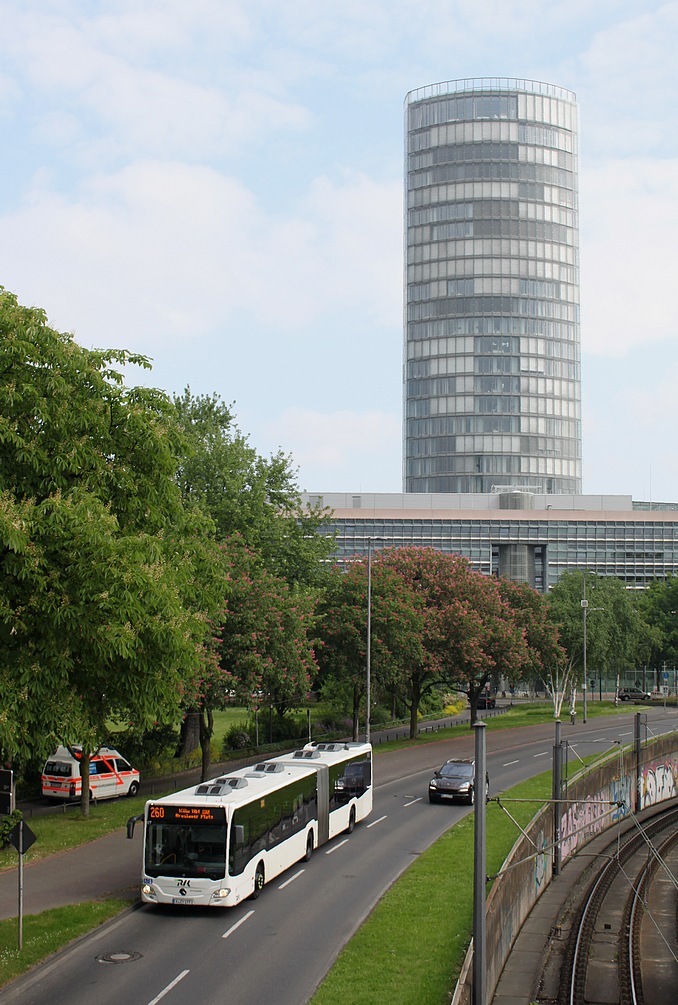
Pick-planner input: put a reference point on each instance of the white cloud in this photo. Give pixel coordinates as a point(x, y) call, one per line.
point(192, 250)
point(629, 253)
point(339, 451)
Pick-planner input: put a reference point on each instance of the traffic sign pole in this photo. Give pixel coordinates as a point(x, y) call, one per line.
point(21, 883)
point(21, 837)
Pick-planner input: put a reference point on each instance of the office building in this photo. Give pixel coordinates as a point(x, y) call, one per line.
point(492, 384)
point(525, 537)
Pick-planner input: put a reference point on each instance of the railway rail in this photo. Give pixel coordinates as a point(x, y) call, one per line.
point(616, 940)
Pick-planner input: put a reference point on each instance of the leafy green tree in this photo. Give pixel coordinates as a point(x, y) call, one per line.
point(248, 495)
point(98, 554)
point(470, 635)
point(266, 653)
point(546, 658)
point(397, 625)
point(616, 633)
point(658, 606)
point(251, 501)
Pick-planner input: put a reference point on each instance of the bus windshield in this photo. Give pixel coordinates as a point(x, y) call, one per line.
point(188, 850)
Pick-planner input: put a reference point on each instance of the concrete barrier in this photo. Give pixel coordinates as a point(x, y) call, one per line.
point(598, 797)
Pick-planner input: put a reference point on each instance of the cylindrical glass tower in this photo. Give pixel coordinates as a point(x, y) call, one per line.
point(492, 386)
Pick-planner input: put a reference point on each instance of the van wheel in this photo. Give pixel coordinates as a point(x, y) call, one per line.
point(309, 846)
point(133, 789)
point(351, 821)
point(471, 796)
point(259, 880)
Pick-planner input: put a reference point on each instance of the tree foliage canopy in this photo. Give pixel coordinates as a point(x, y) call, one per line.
point(97, 552)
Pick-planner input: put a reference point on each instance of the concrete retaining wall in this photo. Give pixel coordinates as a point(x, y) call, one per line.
point(597, 798)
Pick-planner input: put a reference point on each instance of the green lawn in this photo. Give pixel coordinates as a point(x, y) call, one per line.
point(411, 948)
point(45, 933)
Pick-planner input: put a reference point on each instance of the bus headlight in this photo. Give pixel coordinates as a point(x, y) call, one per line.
point(147, 890)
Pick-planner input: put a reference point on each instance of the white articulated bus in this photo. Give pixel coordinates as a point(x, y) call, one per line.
point(217, 843)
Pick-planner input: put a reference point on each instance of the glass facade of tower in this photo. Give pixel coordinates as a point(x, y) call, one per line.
point(492, 387)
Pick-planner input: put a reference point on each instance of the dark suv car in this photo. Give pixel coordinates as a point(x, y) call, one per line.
point(633, 694)
point(456, 779)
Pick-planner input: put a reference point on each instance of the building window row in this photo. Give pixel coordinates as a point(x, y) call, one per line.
point(492, 209)
point(492, 286)
point(533, 230)
point(493, 305)
point(502, 268)
point(513, 153)
point(491, 248)
point(551, 348)
point(477, 190)
point(467, 404)
point(491, 171)
point(445, 132)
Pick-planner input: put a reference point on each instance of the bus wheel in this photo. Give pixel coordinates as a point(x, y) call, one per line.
point(351, 820)
point(309, 846)
point(259, 881)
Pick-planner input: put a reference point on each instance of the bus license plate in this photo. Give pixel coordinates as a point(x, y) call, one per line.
point(182, 900)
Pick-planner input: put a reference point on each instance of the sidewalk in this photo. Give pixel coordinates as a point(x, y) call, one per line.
point(107, 867)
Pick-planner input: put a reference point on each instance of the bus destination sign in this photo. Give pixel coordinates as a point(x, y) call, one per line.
point(162, 813)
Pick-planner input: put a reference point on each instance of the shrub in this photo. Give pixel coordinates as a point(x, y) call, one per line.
point(7, 824)
point(144, 748)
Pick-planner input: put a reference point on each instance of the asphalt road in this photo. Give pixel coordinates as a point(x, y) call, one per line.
point(277, 949)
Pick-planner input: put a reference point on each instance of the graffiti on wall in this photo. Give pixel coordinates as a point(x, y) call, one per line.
point(540, 862)
point(597, 810)
point(659, 781)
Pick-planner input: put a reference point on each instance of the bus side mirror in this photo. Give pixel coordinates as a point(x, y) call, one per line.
point(239, 833)
point(130, 824)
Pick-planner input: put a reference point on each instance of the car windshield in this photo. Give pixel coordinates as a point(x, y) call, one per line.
point(457, 770)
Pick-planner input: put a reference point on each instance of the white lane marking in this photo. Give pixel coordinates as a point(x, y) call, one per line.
point(544, 753)
point(169, 987)
point(237, 925)
point(413, 801)
point(377, 821)
point(507, 764)
point(335, 846)
point(291, 879)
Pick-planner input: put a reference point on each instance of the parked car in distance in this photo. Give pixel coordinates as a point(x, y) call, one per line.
point(110, 775)
point(456, 779)
point(485, 701)
point(633, 694)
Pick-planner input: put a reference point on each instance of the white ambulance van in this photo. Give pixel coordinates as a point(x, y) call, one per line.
point(110, 775)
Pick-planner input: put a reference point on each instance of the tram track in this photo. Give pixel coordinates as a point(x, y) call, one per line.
point(602, 960)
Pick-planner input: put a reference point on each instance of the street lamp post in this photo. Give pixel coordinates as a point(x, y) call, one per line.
point(369, 639)
point(584, 608)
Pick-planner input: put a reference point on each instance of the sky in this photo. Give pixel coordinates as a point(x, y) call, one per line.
point(218, 185)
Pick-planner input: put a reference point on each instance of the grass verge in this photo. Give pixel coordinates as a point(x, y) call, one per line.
point(411, 948)
point(56, 832)
point(46, 933)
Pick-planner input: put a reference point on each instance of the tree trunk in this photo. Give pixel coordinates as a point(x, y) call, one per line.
point(414, 708)
point(189, 739)
point(206, 731)
point(84, 790)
